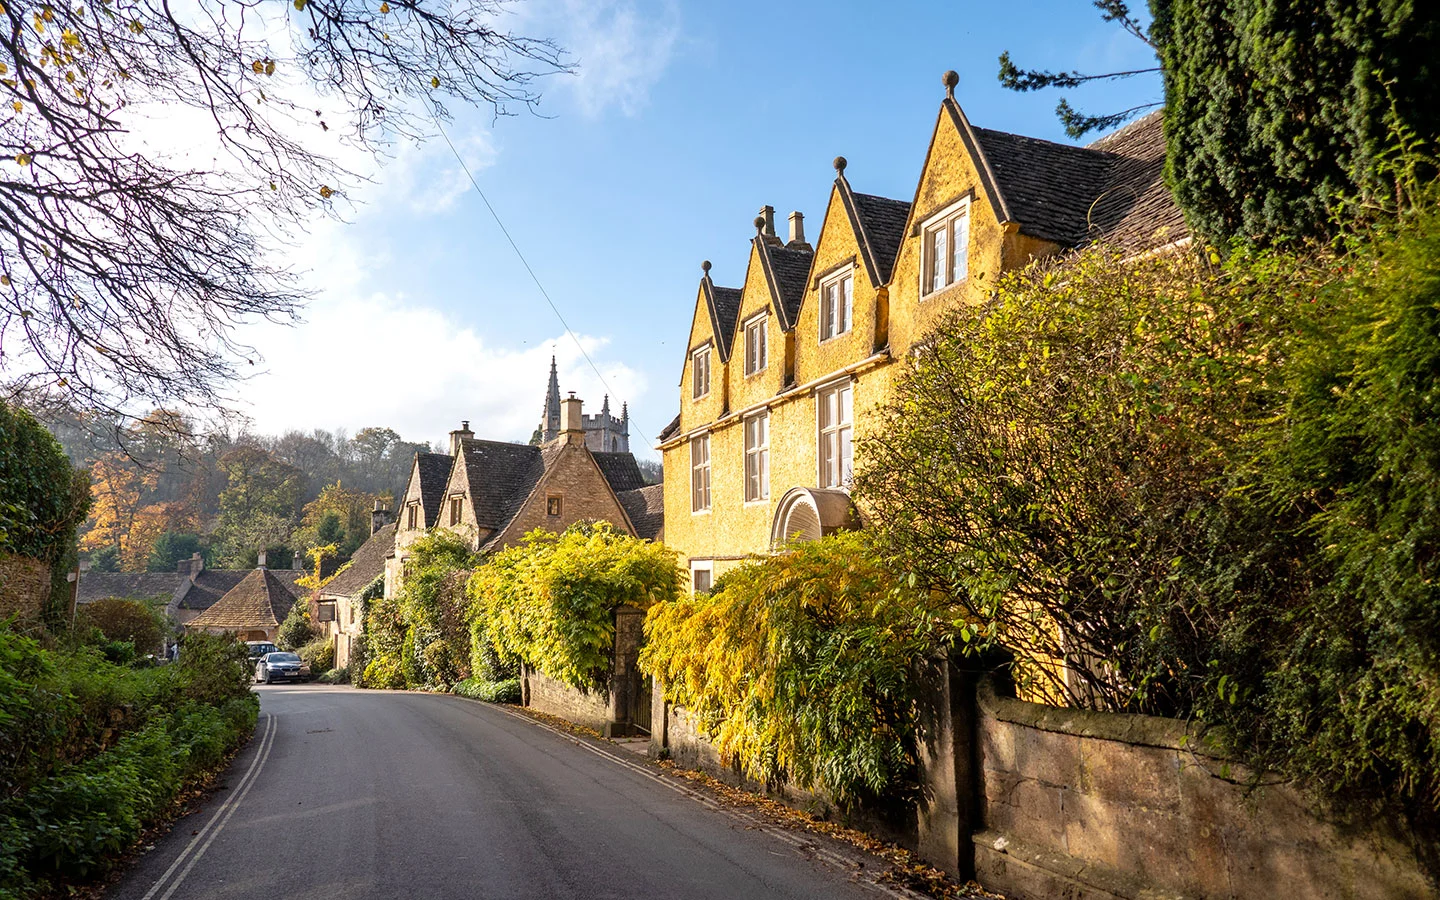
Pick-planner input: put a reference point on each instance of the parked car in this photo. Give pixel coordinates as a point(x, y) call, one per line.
point(281, 666)
point(258, 649)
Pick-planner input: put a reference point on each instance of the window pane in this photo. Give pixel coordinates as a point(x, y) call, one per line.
point(846, 401)
point(845, 454)
point(762, 338)
point(764, 464)
point(937, 256)
point(827, 409)
point(961, 250)
point(847, 287)
point(827, 459)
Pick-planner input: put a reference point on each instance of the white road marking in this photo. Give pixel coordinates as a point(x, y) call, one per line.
point(218, 820)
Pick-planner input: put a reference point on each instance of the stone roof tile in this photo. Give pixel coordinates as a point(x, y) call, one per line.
point(260, 600)
point(365, 566)
point(646, 509)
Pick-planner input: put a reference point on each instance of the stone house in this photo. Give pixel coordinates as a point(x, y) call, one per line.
point(340, 604)
point(493, 493)
point(253, 609)
point(783, 374)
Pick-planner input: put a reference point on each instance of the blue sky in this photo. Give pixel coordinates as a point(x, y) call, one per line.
point(682, 120)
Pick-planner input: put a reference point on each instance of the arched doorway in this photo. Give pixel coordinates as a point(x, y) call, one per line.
point(805, 514)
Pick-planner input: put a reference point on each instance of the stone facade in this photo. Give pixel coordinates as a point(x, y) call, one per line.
point(1022, 198)
point(24, 587)
point(620, 707)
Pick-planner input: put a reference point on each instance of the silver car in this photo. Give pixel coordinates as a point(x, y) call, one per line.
point(281, 666)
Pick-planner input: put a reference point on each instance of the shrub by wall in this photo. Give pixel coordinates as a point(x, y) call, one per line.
point(420, 638)
point(800, 666)
point(550, 601)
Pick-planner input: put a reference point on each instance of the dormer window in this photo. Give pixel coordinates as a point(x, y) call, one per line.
point(945, 243)
point(837, 304)
point(456, 505)
point(756, 344)
point(700, 372)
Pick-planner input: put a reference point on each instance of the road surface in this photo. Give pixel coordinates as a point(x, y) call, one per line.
point(352, 794)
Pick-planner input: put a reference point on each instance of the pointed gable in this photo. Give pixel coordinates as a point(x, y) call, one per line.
point(428, 476)
point(260, 601)
point(878, 224)
point(498, 477)
point(722, 307)
point(786, 270)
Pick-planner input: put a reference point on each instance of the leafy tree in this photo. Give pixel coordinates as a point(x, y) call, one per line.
point(42, 497)
point(297, 630)
point(128, 268)
point(118, 485)
point(172, 548)
point(105, 559)
point(1278, 109)
point(149, 524)
point(257, 506)
point(339, 516)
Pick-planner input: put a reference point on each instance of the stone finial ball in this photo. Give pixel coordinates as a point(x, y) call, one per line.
point(840, 164)
point(759, 223)
point(951, 79)
point(705, 267)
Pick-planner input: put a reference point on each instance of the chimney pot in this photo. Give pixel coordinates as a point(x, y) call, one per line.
point(797, 228)
point(767, 215)
point(463, 433)
point(260, 560)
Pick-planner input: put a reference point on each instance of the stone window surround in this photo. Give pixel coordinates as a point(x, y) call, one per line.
point(836, 279)
point(700, 363)
point(698, 566)
point(554, 504)
point(757, 334)
point(700, 470)
point(758, 455)
point(945, 217)
point(838, 429)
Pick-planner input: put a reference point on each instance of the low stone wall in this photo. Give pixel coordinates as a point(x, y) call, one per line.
point(1095, 805)
point(589, 708)
point(24, 588)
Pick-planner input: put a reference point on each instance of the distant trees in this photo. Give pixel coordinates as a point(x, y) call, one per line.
point(257, 507)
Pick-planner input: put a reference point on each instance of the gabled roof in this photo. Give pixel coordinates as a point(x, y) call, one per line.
point(646, 509)
point(501, 476)
point(434, 471)
point(723, 305)
point(879, 225)
point(209, 586)
point(786, 270)
point(621, 470)
point(365, 566)
point(1113, 189)
point(260, 600)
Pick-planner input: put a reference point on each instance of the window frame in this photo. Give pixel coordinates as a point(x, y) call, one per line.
point(708, 567)
point(758, 324)
point(696, 469)
point(844, 432)
point(759, 456)
point(457, 508)
point(554, 505)
point(696, 355)
point(946, 219)
point(837, 280)
point(412, 516)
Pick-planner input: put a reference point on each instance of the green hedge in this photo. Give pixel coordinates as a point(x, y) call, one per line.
point(42, 497)
point(507, 691)
point(92, 752)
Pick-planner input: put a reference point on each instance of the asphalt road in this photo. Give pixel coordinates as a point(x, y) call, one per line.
point(357, 794)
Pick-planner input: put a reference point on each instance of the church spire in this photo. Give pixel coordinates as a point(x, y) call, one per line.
point(550, 424)
point(605, 409)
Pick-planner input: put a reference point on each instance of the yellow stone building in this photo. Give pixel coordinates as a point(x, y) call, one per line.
point(782, 376)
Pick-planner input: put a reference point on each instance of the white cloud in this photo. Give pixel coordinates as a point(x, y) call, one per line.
point(622, 46)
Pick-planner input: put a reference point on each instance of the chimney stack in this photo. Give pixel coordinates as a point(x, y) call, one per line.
point(260, 560)
point(463, 433)
point(379, 517)
point(572, 424)
point(797, 229)
point(767, 230)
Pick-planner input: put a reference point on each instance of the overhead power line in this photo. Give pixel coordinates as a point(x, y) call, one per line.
point(533, 277)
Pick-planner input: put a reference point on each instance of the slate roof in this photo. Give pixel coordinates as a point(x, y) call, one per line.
point(1137, 209)
point(670, 430)
point(365, 566)
point(260, 600)
point(209, 586)
point(130, 586)
point(724, 304)
point(1113, 189)
point(501, 476)
point(786, 271)
point(434, 474)
point(621, 470)
point(646, 509)
point(879, 225)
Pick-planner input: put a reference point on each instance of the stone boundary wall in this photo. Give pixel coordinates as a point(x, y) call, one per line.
point(1106, 806)
point(24, 588)
point(543, 693)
